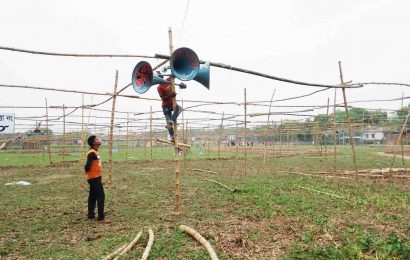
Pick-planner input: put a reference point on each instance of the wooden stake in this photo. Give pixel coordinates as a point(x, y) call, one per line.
point(114, 98)
point(245, 135)
point(48, 135)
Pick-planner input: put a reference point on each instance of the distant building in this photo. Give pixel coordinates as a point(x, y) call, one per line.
point(373, 135)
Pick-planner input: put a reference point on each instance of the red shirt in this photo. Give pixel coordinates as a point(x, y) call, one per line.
point(165, 90)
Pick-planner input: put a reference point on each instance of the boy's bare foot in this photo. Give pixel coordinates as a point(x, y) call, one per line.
point(104, 221)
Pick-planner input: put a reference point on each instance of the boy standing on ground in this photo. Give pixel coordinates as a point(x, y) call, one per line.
point(93, 175)
point(168, 95)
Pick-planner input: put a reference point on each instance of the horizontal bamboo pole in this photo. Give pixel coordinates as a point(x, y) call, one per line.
point(200, 170)
point(322, 192)
point(77, 55)
point(159, 140)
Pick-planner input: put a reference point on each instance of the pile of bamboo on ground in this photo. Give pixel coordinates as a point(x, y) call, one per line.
point(124, 249)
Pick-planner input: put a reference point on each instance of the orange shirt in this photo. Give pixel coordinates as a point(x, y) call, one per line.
point(95, 169)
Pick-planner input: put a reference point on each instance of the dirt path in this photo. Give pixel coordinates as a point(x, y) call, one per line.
point(391, 155)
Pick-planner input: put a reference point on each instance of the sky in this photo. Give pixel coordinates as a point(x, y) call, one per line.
point(299, 40)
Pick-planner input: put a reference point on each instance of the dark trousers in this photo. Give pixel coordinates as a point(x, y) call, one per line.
point(171, 115)
point(96, 196)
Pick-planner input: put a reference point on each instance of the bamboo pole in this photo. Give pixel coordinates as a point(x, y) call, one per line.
point(267, 123)
point(84, 136)
point(221, 184)
point(200, 170)
point(398, 142)
point(183, 129)
point(236, 139)
point(129, 246)
point(111, 129)
point(326, 127)
point(149, 245)
point(116, 252)
point(352, 141)
point(48, 135)
point(82, 129)
point(128, 135)
point(220, 136)
point(177, 209)
point(245, 134)
point(335, 132)
point(401, 142)
point(201, 240)
point(150, 132)
point(172, 143)
point(322, 192)
point(63, 135)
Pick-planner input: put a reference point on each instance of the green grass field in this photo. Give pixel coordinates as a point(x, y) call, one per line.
point(274, 214)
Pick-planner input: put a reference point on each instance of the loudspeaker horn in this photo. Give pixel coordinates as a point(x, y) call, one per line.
point(185, 65)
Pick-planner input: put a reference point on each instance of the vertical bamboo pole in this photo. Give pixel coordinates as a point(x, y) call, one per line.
point(401, 120)
point(145, 141)
point(352, 141)
point(114, 98)
point(82, 127)
point(183, 129)
point(63, 135)
point(245, 134)
point(220, 136)
point(326, 127)
point(280, 137)
point(398, 142)
point(208, 140)
point(236, 139)
point(363, 130)
point(267, 124)
point(48, 135)
point(128, 135)
point(335, 132)
point(150, 133)
point(177, 209)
